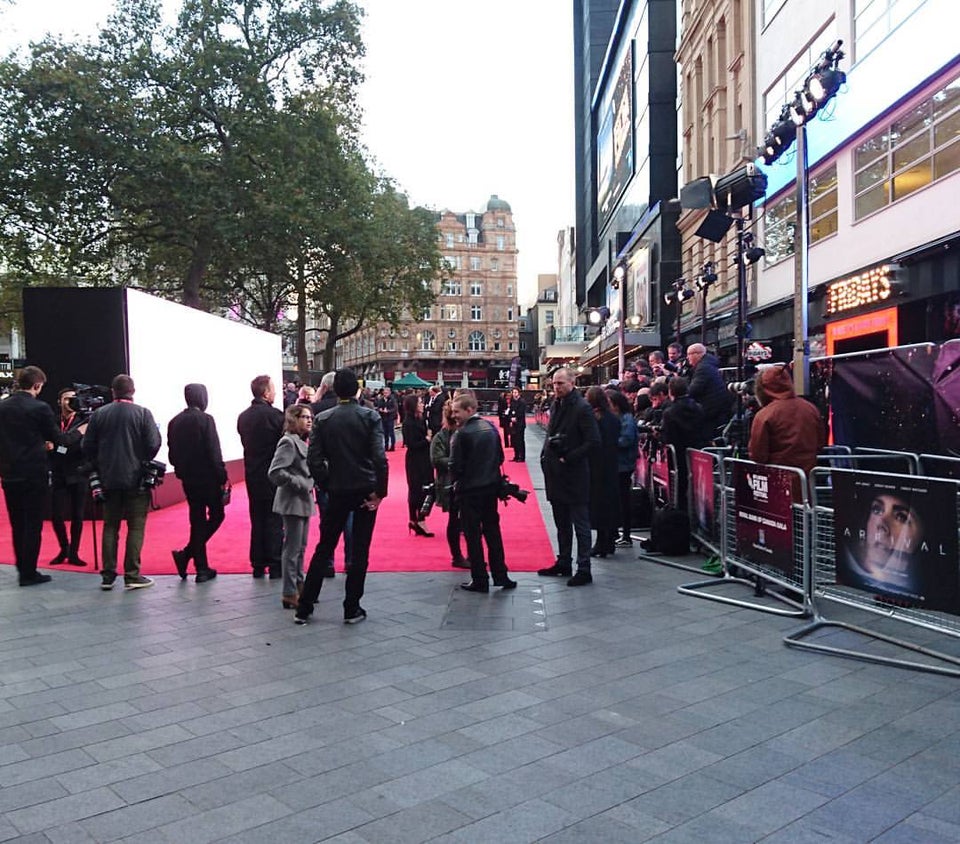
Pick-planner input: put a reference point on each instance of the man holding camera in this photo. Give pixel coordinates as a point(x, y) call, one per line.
point(571, 436)
point(69, 484)
point(476, 457)
point(121, 440)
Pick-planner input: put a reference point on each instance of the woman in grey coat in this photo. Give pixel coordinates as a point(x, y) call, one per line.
point(289, 472)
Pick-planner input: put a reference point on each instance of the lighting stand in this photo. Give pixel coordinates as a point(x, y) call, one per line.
point(801, 269)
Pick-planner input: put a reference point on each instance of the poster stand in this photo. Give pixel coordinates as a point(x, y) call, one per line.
point(931, 580)
point(740, 568)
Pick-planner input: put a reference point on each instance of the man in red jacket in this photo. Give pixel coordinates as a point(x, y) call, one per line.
point(787, 430)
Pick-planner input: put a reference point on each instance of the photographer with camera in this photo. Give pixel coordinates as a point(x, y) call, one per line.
point(121, 441)
point(476, 458)
point(69, 485)
point(572, 436)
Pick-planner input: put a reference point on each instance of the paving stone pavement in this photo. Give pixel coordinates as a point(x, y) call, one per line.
point(621, 711)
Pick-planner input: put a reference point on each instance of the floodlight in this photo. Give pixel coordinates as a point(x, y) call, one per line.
point(742, 187)
point(598, 316)
point(619, 274)
point(825, 83)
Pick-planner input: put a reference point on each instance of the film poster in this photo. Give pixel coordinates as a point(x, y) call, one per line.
point(763, 504)
point(701, 491)
point(660, 473)
point(896, 536)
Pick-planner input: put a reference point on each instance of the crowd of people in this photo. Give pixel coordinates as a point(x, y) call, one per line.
point(327, 450)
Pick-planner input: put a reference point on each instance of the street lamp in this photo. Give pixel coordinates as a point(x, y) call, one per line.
point(619, 284)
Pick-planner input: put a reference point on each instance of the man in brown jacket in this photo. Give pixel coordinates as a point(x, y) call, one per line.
point(787, 430)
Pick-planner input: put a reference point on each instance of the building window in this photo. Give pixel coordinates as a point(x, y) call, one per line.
point(428, 341)
point(523, 345)
point(780, 218)
point(501, 243)
point(425, 314)
point(453, 346)
point(784, 89)
point(475, 262)
point(450, 312)
point(770, 8)
point(500, 223)
point(510, 347)
point(496, 345)
point(548, 317)
point(476, 342)
point(509, 314)
point(449, 240)
point(509, 289)
point(919, 148)
point(823, 204)
point(874, 20)
point(494, 265)
point(476, 313)
point(476, 288)
point(451, 287)
point(453, 261)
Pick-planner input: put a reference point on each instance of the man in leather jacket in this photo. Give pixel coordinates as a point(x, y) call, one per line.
point(476, 457)
point(26, 426)
point(346, 457)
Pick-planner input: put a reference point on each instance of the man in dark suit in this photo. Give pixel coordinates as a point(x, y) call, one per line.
point(194, 449)
point(260, 427)
point(517, 415)
point(571, 436)
point(27, 430)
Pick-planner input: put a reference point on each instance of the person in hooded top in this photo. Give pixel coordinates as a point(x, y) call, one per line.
point(194, 450)
point(787, 430)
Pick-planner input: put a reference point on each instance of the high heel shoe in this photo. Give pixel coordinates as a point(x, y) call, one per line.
point(418, 529)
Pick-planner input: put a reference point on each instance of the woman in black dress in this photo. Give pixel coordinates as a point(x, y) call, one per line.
point(416, 440)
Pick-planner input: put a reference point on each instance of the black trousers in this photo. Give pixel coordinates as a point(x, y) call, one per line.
point(25, 502)
point(518, 438)
point(205, 503)
point(68, 500)
point(625, 488)
point(480, 519)
point(454, 531)
point(266, 534)
point(339, 507)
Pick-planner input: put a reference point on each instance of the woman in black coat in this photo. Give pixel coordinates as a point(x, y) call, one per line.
point(604, 494)
point(417, 462)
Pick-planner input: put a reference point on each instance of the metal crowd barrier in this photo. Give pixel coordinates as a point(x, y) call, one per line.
point(939, 466)
point(920, 589)
point(872, 460)
point(739, 564)
point(705, 498)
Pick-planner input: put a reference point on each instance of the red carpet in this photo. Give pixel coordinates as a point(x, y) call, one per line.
point(394, 549)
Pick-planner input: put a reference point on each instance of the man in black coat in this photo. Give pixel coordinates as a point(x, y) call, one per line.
point(346, 457)
point(476, 457)
point(517, 415)
point(707, 387)
point(194, 449)
point(571, 437)
point(260, 427)
point(684, 427)
point(386, 405)
point(27, 425)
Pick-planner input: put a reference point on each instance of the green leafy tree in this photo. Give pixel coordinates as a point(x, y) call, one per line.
point(135, 159)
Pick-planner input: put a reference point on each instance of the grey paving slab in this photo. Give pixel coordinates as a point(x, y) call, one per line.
point(635, 714)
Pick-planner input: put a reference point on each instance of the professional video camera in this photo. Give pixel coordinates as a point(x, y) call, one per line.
point(151, 474)
point(89, 397)
point(511, 490)
point(743, 388)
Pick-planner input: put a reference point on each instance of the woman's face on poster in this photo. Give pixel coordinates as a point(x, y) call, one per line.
point(893, 528)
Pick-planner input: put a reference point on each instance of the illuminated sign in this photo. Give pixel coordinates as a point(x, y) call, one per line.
point(867, 288)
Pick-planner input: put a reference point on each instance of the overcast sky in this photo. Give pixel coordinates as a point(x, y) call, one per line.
point(462, 100)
